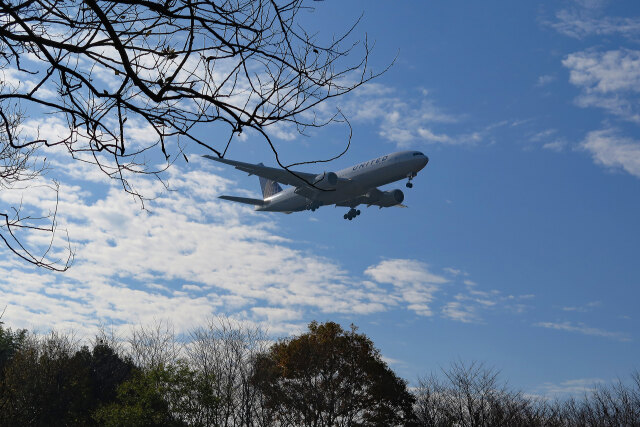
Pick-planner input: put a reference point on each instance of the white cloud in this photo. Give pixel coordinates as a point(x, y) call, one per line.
point(415, 284)
point(429, 136)
point(549, 140)
point(545, 80)
point(609, 80)
point(427, 293)
point(468, 305)
point(605, 72)
point(557, 145)
point(581, 328)
point(611, 150)
point(454, 271)
point(191, 255)
point(455, 310)
point(543, 135)
point(404, 119)
point(132, 262)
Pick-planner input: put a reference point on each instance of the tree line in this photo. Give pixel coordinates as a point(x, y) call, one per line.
point(229, 374)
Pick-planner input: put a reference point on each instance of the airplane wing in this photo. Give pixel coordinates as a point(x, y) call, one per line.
point(274, 174)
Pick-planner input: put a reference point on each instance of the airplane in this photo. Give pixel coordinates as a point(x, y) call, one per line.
point(349, 187)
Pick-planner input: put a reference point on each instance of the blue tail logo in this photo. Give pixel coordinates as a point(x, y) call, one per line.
point(269, 187)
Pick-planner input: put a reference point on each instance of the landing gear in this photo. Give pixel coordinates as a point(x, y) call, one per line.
point(313, 206)
point(409, 183)
point(352, 214)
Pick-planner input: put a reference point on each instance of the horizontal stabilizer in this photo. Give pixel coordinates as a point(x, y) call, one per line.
point(245, 200)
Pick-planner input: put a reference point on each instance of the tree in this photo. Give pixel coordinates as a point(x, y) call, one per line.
point(616, 404)
point(18, 167)
point(174, 68)
point(10, 343)
point(331, 377)
point(48, 381)
point(471, 395)
point(223, 351)
point(170, 395)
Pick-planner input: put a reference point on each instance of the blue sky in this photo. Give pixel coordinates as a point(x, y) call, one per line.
point(520, 244)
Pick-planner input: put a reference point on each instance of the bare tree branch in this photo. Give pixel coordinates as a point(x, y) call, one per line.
point(125, 78)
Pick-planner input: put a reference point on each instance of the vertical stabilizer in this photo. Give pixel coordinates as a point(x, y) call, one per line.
point(269, 187)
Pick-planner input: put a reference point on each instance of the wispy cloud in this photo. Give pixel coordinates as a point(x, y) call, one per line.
point(406, 119)
point(471, 304)
point(580, 23)
point(545, 80)
point(582, 308)
point(576, 387)
point(412, 280)
point(581, 328)
point(549, 140)
point(456, 310)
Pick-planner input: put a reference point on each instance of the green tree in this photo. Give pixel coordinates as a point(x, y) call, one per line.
point(47, 381)
point(172, 395)
point(331, 377)
point(10, 343)
point(107, 371)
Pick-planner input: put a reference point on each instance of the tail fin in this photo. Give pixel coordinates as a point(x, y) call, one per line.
point(269, 187)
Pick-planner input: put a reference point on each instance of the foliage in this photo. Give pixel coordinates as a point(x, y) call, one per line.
point(47, 379)
point(160, 396)
point(10, 343)
point(329, 376)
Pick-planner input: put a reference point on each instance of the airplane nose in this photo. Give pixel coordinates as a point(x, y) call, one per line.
point(424, 162)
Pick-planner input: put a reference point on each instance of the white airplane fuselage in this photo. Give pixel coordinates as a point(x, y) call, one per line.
point(354, 181)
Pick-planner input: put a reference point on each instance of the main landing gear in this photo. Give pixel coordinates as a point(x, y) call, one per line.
point(313, 206)
point(352, 214)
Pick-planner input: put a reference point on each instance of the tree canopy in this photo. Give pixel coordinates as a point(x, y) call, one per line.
point(332, 377)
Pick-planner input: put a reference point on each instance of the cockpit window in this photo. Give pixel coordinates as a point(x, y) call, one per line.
point(417, 153)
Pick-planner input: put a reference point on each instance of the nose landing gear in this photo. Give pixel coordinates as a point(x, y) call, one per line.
point(352, 214)
point(409, 183)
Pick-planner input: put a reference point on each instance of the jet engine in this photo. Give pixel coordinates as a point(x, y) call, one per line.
point(390, 198)
point(326, 180)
